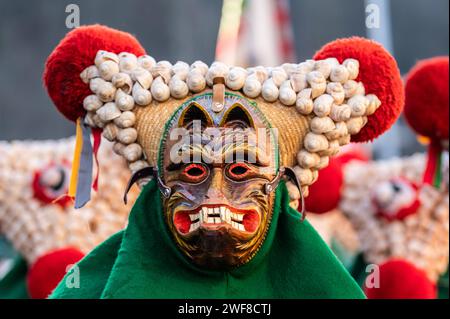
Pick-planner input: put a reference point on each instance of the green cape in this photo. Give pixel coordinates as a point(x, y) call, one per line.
point(443, 286)
point(143, 262)
point(13, 285)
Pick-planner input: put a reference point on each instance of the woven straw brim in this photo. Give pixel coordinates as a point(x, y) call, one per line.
point(150, 125)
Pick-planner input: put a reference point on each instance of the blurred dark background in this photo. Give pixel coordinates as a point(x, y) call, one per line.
point(180, 30)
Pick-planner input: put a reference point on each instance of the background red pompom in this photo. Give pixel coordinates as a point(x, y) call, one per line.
point(379, 73)
point(399, 279)
point(325, 193)
point(49, 269)
point(76, 52)
point(426, 104)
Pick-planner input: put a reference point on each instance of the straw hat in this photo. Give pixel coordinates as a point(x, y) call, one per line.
point(351, 91)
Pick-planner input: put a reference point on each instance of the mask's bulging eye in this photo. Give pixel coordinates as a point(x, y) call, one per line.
point(54, 180)
point(194, 173)
point(238, 171)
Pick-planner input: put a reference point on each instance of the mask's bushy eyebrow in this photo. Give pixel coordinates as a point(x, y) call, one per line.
point(191, 154)
point(245, 153)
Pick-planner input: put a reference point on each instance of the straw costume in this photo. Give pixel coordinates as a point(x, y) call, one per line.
point(399, 207)
point(219, 152)
point(39, 221)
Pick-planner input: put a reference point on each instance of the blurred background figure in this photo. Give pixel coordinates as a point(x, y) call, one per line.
point(399, 207)
point(40, 231)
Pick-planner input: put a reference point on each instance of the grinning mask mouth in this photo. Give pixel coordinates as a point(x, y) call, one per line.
point(214, 217)
point(218, 168)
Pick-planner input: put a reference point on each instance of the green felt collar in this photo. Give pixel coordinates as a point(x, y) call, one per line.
point(13, 285)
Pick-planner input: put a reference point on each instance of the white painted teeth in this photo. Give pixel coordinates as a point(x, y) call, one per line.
point(216, 215)
point(228, 218)
point(204, 214)
point(223, 213)
point(194, 217)
point(237, 217)
point(237, 226)
point(194, 226)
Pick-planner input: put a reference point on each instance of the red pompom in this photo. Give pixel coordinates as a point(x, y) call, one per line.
point(380, 75)
point(75, 53)
point(399, 279)
point(325, 193)
point(426, 104)
point(49, 269)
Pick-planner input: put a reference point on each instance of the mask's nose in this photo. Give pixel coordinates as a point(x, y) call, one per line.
point(215, 194)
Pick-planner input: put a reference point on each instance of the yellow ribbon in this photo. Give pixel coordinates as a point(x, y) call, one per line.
point(76, 159)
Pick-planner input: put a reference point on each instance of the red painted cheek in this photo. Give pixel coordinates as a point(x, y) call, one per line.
point(251, 221)
point(182, 222)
